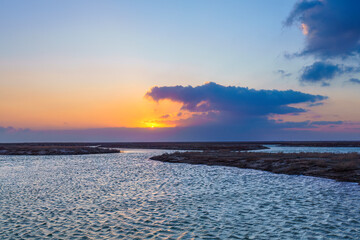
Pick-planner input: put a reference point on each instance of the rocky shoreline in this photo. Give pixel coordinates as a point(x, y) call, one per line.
point(340, 167)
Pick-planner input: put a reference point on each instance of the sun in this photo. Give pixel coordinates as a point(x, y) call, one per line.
point(151, 124)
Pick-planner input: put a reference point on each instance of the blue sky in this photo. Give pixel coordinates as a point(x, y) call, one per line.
point(75, 65)
point(225, 38)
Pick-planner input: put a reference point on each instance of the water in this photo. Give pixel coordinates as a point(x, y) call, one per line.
point(297, 149)
point(125, 195)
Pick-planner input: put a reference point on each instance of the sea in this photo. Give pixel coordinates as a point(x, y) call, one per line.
point(127, 196)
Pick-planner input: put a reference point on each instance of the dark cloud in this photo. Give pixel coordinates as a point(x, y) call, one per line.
point(299, 9)
point(235, 113)
point(234, 104)
point(354, 81)
point(327, 123)
point(165, 116)
point(332, 26)
point(316, 104)
point(323, 72)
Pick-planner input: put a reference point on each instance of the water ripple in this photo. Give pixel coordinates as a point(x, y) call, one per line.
point(125, 195)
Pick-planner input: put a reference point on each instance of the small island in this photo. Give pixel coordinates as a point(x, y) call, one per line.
point(340, 167)
point(30, 149)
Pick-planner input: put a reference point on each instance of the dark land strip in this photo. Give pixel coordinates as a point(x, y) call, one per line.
point(340, 167)
point(95, 148)
point(53, 150)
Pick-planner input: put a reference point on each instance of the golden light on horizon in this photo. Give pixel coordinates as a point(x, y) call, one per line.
point(153, 124)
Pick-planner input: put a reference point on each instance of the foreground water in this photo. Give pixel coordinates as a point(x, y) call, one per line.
point(128, 196)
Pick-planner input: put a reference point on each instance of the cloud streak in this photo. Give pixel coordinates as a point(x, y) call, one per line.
point(257, 130)
point(354, 81)
point(324, 72)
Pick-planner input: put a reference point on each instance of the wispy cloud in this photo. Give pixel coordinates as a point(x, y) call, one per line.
point(283, 73)
point(354, 81)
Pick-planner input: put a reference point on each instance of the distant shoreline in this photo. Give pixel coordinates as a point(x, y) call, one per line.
point(99, 148)
point(29, 150)
point(229, 145)
point(77, 148)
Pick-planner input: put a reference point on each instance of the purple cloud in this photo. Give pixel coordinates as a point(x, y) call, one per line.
point(234, 103)
point(322, 123)
point(165, 116)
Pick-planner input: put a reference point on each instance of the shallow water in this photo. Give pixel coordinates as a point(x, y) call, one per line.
point(126, 195)
point(297, 149)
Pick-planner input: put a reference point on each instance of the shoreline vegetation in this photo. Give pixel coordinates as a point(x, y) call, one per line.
point(341, 167)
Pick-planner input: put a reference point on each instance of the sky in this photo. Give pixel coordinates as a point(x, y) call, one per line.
point(187, 70)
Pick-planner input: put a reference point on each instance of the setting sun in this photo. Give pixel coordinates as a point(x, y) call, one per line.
point(153, 124)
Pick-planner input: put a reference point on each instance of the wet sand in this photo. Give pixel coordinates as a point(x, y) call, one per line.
point(340, 167)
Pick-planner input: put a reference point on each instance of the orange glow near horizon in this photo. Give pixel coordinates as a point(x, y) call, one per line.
point(40, 100)
point(78, 98)
point(153, 124)
point(56, 114)
point(45, 102)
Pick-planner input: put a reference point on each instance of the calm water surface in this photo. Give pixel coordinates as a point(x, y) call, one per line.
point(125, 195)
